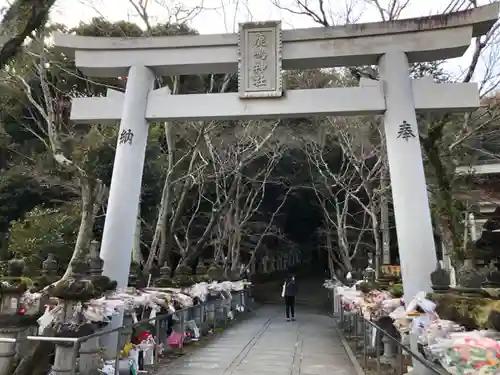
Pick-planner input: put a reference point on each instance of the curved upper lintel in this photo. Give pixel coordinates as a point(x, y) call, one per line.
point(335, 46)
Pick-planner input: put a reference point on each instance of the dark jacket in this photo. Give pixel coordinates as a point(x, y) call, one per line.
point(291, 288)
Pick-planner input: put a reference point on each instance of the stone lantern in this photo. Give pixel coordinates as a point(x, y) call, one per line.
point(440, 279)
point(12, 288)
point(49, 265)
point(201, 272)
point(215, 272)
point(84, 284)
point(369, 273)
point(12, 321)
point(48, 274)
point(165, 279)
point(95, 262)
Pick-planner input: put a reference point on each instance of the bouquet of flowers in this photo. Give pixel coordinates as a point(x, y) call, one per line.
point(437, 330)
point(468, 355)
point(349, 305)
point(372, 304)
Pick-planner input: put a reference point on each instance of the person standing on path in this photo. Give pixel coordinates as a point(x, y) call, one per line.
point(289, 292)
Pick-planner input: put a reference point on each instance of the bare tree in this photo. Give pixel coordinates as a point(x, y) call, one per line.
point(228, 171)
point(251, 185)
point(343, 188)
point(445, 138)
point(50, 122)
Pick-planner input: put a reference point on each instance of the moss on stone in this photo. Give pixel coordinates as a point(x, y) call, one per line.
point(473, 312)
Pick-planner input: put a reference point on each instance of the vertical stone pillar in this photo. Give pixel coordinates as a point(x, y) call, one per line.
point(126, 333)
point(210, 313)
point(89, 357)
point(126, 180)
point(8, 349)
point(409, 190)
point(389, 351)
point(63, 360)
point(125, 189)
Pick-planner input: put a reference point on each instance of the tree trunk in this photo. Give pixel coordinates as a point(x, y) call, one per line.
point(342, 243)
point(235, 259)
point(384, 218)
point(216, 214)
point(376, 237)
point(20, 20)
point(84, 236)
point(37, 362)
point(161, 221)
point(332, 260)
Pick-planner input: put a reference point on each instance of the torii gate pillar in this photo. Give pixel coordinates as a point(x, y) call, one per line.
point(125, 190)
point(417, 253)
point(126, 181)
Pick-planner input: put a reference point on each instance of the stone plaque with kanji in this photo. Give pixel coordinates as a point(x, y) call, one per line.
point(259, 60)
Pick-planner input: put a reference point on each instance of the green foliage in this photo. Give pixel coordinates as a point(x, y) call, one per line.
point(99, 26)
point(396, 290)
point(95, 151)
point(44, 231)
point(19, 194)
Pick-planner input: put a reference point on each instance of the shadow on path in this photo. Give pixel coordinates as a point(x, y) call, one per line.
point(266, 344)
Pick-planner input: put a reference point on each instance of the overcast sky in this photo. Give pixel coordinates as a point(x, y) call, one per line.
point(219, 16)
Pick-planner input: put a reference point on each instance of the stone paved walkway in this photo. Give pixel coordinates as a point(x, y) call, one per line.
point(268, 345)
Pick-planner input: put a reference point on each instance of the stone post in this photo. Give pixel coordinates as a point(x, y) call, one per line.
point(389, 351)
point(126, 334)
point(210, 313)
point(418, 368)
point(415, 235)
point(90, 359)
point(8, 349)
point(63, 360)
point(220, 310)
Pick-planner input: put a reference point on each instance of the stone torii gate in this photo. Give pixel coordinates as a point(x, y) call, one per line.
point(259, 53)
